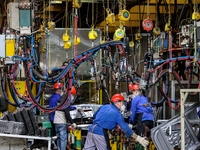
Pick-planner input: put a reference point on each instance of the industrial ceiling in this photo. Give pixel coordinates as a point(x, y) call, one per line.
point(158, 9)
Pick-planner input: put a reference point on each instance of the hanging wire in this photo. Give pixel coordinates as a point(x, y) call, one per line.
point(92, 13)
point(169, 19)
point(49, 10)
point(156, 24)
point(49, 44)
point(66, 14)
point(93, 21)
point(139, 16)
point(148, 13)
point(44, 16)
point(88, 8)
point(104, 16)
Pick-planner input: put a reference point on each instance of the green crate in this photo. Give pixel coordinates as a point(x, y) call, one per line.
point(47, 124)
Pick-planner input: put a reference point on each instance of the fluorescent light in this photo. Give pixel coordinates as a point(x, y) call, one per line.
point(89, 1)
point(56, 2)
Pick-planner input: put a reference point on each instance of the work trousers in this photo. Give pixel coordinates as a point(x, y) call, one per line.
point(61, 133)
point(95, 141)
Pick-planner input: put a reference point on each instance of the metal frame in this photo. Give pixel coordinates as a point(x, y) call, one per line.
point(49, 139)
point(173, 92)
point(184, 94)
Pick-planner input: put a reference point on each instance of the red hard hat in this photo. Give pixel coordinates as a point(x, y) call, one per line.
point(131, 86)
point(73, 90)
point(58, 85)
point(117, 97)
point(135, 87)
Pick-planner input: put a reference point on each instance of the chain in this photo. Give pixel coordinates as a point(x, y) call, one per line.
point(148, 13)
point(169, 19)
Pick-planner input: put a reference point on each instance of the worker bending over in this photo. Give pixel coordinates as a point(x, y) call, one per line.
point(107, 117)
point(142, 111)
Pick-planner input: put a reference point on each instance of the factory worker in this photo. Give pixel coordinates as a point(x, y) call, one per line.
point(53, 102)
point(72, 99)
point(60, 121)
point(142, 111)
point(107, 117)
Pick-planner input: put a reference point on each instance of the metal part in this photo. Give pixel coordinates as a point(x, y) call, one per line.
point(84, 110)
point(2, 48)
point(168, 134)
point(184, 94)
point(13, 16)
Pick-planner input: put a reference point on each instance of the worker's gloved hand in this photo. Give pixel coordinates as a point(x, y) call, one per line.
point(141, 140)
point(74, 125)
point(130, 126)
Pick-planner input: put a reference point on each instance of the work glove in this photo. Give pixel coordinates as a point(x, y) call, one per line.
point(141, 140)
point(130, 126)
point(74, 125)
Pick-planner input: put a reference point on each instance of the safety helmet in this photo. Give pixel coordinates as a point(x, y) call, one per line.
point(117, 97)
point(58, 85)
point(135, 87)
point(73, 90)
point(131, 86)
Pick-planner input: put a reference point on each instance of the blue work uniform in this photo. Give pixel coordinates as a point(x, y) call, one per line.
point(53, 102)
point(142, 111)
point(106, 118)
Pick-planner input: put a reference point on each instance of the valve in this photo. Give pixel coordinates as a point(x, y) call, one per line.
point(110, 17)
point(124, 15)
point(156, 30)
point(92, 35)
point(51, 25)
point(195, 16)
point(67, 45)
point(115, 38)
point(119, 33)
point(42, 28)
point(77, 40)
point(168, 27)
point(131, 44)
point(44, 49)
point(138, 36)
point(76, 3)
point(147, 24)
point(65, 36)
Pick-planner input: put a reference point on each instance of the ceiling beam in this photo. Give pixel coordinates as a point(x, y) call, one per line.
point(117, 23)
point(181, 2)
point(138, 17)
point(55, 8)
point(110, 29)
point(151, 9)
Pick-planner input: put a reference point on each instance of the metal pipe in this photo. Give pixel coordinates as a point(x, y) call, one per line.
point(173, 97)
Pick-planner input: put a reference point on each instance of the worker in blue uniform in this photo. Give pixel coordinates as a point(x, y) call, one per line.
point(59, 118)
point(142, 111)
point(107, 117)
point(53, 101)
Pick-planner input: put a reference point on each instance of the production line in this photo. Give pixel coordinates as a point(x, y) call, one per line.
point(100, 49)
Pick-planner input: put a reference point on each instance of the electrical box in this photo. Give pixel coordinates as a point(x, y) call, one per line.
point(2, 47)
point(25, 21)
point(10, 47)
point(13, 16)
